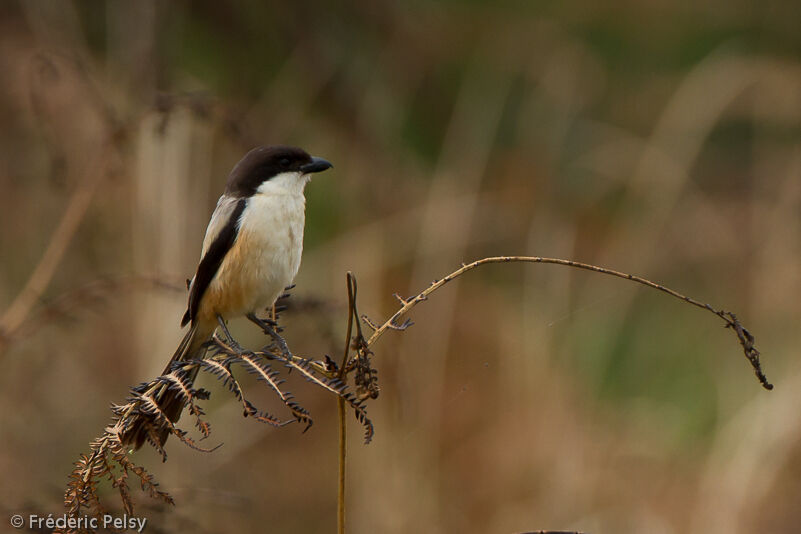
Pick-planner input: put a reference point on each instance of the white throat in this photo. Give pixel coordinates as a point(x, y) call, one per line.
point(287, 183)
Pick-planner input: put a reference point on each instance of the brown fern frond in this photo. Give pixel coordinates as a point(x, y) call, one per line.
point(255, 365)
point(146, 480)
point(149, 406)
point(361, 416)
point(264, 373)
point(221, 372)
point(365, 377)
point(110, 460)
point(337, 387)
point(262, 416)
point(179, 382)
point(306, 369)
point(201, 424)
point(81, 490)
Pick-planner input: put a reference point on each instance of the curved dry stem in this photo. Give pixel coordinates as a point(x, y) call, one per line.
point(16, 313)
point(745, 338)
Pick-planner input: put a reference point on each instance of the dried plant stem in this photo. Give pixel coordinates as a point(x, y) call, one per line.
point(62, 236)
point(743, 335)
point(351, 281)
point(342, 458)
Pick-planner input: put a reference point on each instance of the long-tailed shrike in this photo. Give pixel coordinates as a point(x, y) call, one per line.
point(250, 254)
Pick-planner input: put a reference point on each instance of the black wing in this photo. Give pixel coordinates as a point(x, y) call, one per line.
point(211, 261)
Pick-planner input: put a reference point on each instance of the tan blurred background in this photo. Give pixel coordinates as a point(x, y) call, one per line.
point(645, 137)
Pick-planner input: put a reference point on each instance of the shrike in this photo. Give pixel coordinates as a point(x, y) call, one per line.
point(251, 251)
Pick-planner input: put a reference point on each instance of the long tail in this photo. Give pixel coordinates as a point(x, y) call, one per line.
point(188, 348)
point(169, 401)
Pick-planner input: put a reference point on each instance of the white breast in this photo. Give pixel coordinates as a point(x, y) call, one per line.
point(265, 257)
point(272, 231)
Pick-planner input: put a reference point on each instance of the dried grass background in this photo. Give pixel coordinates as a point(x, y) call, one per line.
point(645, 137)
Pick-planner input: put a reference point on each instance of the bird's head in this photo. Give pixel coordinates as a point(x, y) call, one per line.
point(278, 166)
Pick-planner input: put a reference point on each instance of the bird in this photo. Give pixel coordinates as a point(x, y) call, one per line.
point(251, 252)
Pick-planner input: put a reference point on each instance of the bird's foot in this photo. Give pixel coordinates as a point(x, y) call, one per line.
point(229, 339)
point(267, 327)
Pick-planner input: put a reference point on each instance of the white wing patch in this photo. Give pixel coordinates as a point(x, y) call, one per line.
point(220, 217)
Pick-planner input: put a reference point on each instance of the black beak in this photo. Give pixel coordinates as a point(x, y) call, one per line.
point(316, 165)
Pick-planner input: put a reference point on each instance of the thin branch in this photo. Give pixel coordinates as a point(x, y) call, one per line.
point(743, 335)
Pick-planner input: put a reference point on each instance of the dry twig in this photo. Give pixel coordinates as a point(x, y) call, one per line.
point(745, 338)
